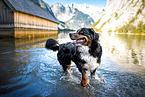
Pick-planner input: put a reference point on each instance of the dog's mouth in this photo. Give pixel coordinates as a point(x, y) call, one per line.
point(80, 41)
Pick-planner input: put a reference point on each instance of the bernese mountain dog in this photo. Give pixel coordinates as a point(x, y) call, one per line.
point(85, 52)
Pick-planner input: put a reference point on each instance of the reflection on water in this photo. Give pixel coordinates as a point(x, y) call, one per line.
point(128, 51)
point(26, 33)
point(28, 69)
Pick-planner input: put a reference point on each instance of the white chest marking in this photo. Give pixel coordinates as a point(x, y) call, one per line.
point(91, 62)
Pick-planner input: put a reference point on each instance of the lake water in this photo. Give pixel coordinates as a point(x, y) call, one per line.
point(28, 69)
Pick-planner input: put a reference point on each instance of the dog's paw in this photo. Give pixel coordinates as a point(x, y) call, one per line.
point(84, 82)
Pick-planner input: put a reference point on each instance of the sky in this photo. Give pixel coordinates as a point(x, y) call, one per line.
point(98, 3)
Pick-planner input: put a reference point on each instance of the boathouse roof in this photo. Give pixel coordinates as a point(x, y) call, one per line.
point(29, 7)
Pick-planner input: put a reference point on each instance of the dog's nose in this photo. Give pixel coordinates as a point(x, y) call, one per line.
point(71, 35)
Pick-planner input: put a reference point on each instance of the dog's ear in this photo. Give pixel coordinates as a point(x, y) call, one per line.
point(95, 35)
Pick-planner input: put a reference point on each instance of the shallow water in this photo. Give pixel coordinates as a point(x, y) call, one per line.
point(28, 69)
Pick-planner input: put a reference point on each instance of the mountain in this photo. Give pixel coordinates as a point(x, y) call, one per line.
point(93, 11)
point(73, 18)
point(126, 16)
point(69, 18)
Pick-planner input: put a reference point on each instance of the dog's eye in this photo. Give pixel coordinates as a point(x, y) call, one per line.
point(81, 32)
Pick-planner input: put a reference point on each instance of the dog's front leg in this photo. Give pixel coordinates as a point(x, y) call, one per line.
point(84, 80)
point(94, 71)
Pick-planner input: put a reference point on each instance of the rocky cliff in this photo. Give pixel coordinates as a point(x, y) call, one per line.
point(93, 11)
point(126, 16)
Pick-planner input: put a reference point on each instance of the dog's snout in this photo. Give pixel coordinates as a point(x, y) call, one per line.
point(73, 36)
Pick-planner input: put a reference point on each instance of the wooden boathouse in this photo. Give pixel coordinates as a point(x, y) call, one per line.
point(20, 18)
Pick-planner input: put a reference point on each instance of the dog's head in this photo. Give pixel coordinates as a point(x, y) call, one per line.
point(84, 36)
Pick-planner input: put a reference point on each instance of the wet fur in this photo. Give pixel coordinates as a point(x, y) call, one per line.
point(85, 57)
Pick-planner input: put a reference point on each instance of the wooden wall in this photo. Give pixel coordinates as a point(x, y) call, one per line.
point(22, 20)
point(6, 16)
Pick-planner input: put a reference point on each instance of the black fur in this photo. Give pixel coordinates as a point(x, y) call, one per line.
point(52, 44)
point(96, 50)
point(66, 53)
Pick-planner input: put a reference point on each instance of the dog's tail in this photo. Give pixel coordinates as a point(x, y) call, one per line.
point(52, 44)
